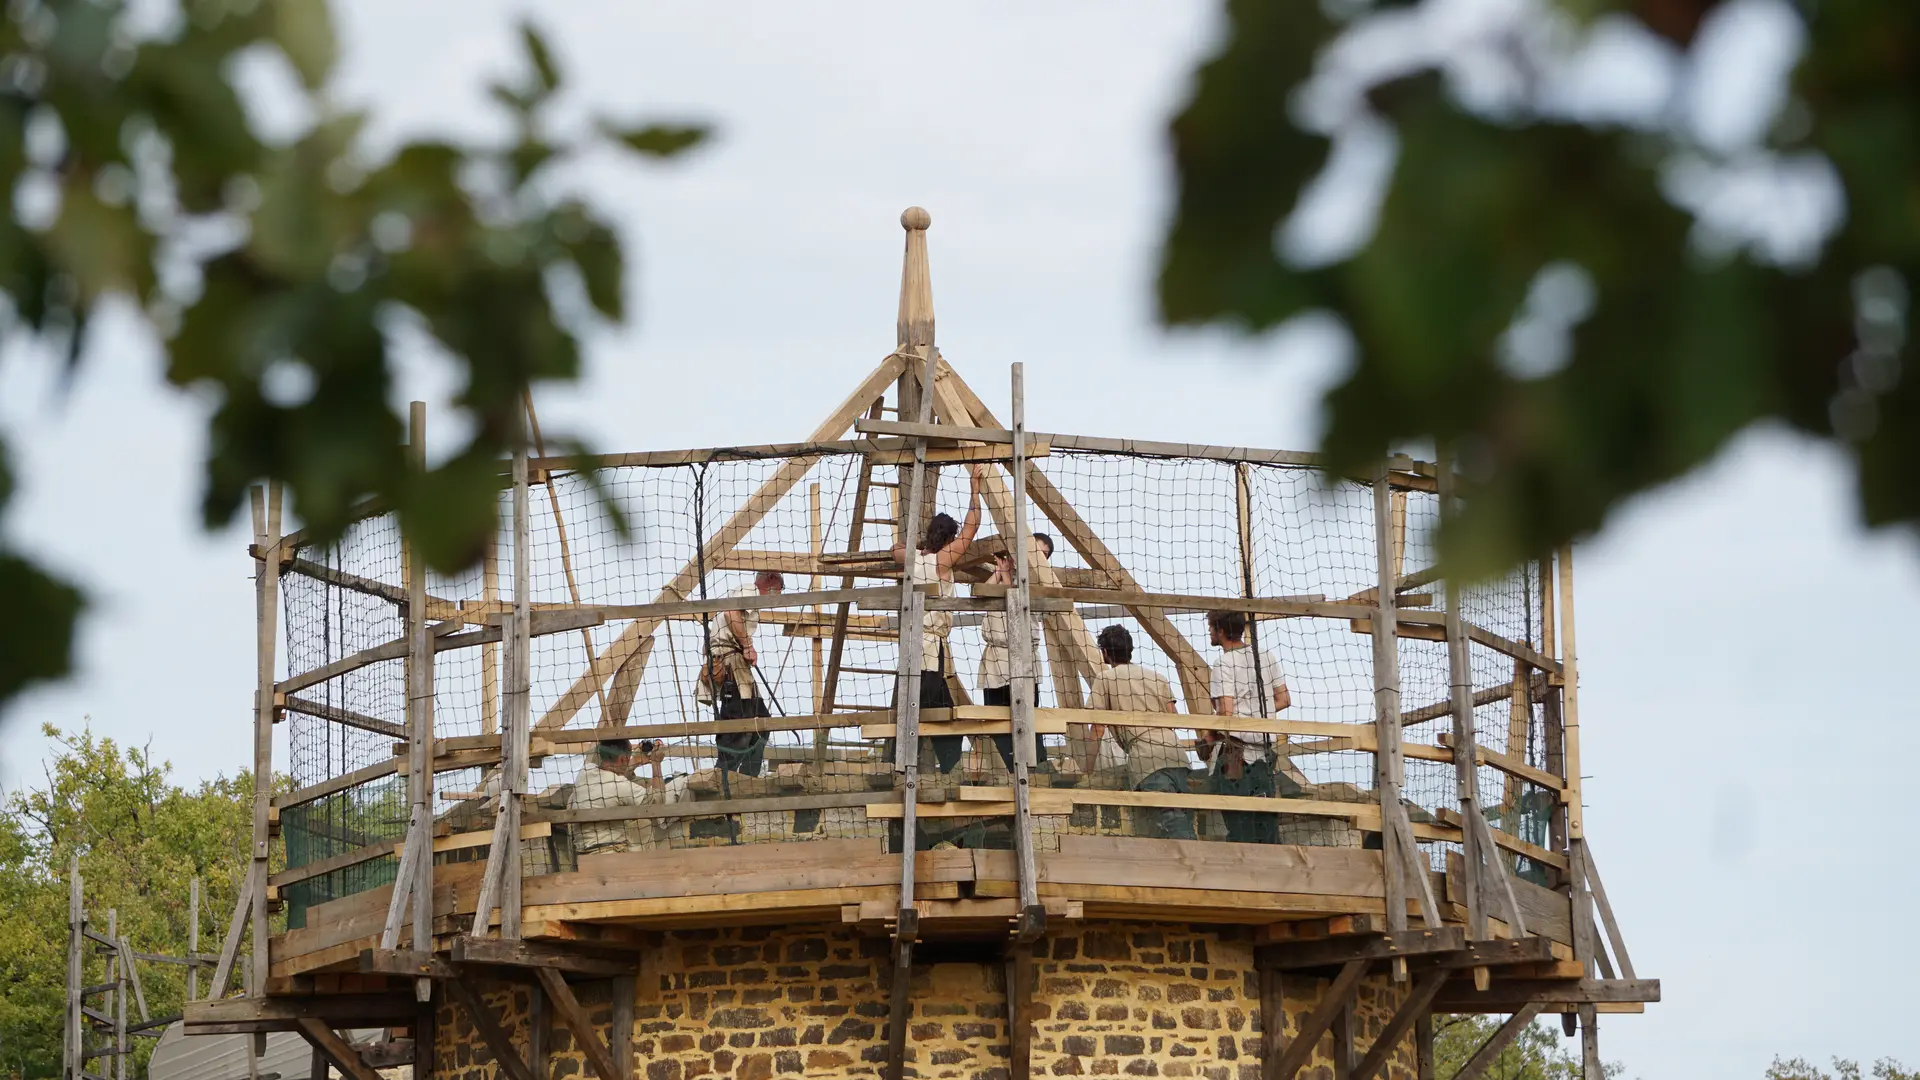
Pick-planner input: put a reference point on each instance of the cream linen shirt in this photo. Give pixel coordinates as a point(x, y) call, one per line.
point(595, 788)
point(1132, 688)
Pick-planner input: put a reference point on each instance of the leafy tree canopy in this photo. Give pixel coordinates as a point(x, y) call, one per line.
point(278, 271)
point(140, 839)
point(1550, 286)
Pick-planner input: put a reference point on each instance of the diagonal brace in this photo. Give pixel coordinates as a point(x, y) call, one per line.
point(336, 1049)
point(568, 1008)
point(483, 1019)
point(1415, 1006)
point(1498, 1041)
point(1300, 1047)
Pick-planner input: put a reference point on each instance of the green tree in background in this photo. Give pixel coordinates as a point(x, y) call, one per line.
point(1537, 1053)
point(277, 272)
point(1800, 1069)
point(140, 840)
point(1514, 212)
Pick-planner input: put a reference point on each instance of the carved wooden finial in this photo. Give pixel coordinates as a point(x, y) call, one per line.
point(916, 282)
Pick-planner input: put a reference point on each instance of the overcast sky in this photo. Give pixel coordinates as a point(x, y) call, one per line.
point(1737, 631)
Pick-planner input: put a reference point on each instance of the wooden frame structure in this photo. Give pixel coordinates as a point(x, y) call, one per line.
point(1486, 940)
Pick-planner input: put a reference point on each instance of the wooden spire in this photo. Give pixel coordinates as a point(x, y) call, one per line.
point(916, 282)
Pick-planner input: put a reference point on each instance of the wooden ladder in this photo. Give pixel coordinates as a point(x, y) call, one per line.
point(856, 533)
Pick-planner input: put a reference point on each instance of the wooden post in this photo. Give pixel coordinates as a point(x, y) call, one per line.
point(1343, 1041)
point(520, 685)
point(117, 975)
point(916, 330)
point(1020, 659)
point(1590, 1066)
point(193, 940)
point(537, 1041)
point(1570, 667)
point(620, 1038)
point(1423, 1046)
point(420, 718)
point(75, 1044)
point(1465, 770)
point(1020, 1011)
point(816, 546)
point(1388, 763)
point(266, 530)
point(490, 652)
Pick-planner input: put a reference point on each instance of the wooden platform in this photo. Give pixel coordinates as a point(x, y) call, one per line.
point(822, 880)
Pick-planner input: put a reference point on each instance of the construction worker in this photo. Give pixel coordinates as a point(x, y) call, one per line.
point(1241, 762)
point(996, 669)
point(607, 780)
point(1155, 759)
point(731, 666)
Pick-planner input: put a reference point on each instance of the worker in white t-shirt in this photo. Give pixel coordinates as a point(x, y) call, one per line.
point(1241, 762)
point(731, 657)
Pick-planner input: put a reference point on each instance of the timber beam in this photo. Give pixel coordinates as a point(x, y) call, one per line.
point(500, 952)
point(419, 965)
point(1505, 996)
point(230, 1015)
point(1333, 951)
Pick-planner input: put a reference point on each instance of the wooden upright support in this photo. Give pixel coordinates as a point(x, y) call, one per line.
point(500, 883)
point(266, 538)
point(1024, 675)
point(1402, 861)
point(75, 1044)
point(916, 330)
point(1484, 868)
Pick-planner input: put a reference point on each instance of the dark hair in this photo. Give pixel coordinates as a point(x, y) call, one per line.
point(612, 749)
point(940, 532)
point(1231, 624)
point(1116, 644)
point(1045, 542)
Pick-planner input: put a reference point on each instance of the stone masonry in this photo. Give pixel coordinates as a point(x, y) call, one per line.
point(1110, 999)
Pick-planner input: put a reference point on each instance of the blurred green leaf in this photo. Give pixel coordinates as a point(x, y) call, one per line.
point(304, 31)
point(657, 140)
point(541, 57)
point(289, 268)
point(1681, 351)
point(34, 644)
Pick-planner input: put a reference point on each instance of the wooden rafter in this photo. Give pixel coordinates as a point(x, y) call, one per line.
point(757, 506)
point(1195, 674)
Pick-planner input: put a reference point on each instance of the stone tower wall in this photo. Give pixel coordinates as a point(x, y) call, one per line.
point(1110, 999)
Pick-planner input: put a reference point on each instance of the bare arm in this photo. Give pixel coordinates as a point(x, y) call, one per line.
point(958, 545)
point(1281, 698)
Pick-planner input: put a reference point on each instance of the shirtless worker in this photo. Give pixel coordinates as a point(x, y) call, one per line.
point(731, 657)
